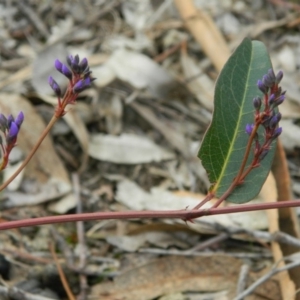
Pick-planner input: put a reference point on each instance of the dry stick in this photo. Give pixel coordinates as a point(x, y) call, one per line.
point(170, 214)
point(242, 279)
point(208, 243)
point(205, 32)
point(264, 278)
point(61, 274)
point(81, 239)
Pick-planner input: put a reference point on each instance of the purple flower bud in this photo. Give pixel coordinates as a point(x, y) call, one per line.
point(81, 85)
point(272, 99)
point(10, 119)
point(279, 100)
point(275, 120)
point(76, 59)
point(257, 103)
point(58, 65)
point(19, 119)
point(70, 60)
point(249, 128)
point(271, 75)
point(263, 154)
point(12, 133)
point(279, 77)
point(83, 64)
point(262, 87)
point(66, 71)
point(266, 121)
point(54, 85)
point(277, 133)
point(267, 81)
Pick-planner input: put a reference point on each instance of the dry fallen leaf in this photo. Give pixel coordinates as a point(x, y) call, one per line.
point(126, 149)
point(169, 275)
point(135, 68)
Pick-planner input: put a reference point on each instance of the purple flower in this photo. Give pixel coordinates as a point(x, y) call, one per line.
point(62, 68)
point(83, 64)
point(279, 100)
point(262, 87)
point(66, 71)
point(267, 81)
point(12, 133)
point(272, 99)
point(257, 103)
point(81, 85)
point(10, 119)
point(277, 133)
point(263, 154)
point(58, 65)
point(54, 85)
point(275, 120)
point(279, 77)
point(249, 128)
point(271, 75)
point(19, 119)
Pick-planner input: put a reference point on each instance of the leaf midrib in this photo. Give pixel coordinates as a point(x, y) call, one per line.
point(230, 149)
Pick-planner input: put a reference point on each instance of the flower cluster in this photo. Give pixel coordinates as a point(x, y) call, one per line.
point(266, 113)
point(79, 75)
point(9, 129)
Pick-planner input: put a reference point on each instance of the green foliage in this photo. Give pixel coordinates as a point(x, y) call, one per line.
point(224, 144)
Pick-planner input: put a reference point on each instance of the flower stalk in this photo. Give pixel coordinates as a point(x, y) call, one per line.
point(80, 78)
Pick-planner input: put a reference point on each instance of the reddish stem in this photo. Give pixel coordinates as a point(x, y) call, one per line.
point(30, 155)
point(171, 214)
point(239, 178)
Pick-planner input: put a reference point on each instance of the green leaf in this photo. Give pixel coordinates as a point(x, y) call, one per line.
point(225, 141)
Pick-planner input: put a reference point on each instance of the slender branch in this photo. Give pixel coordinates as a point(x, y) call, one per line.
point(239, 176)
point(266, 277)
point(208, 197)
point(186, 215)
point(61, 273)
point(31, 153)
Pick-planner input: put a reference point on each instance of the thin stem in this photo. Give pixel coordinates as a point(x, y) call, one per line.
point(206, 199)
point(31, 153)
point(171, 214)
point(61, 273)
point(239, 177)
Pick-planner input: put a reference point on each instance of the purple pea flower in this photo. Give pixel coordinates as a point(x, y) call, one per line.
point(19, 119)
point(81, 85)
point(262, 87)
point(279, 77)
point(257, 103)
point(249, 128)
point(10, 128)
point(55, 87)
point(79, 75)
point(12, 133)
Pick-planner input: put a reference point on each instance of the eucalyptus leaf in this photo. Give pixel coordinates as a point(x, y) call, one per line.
point(225, 141)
